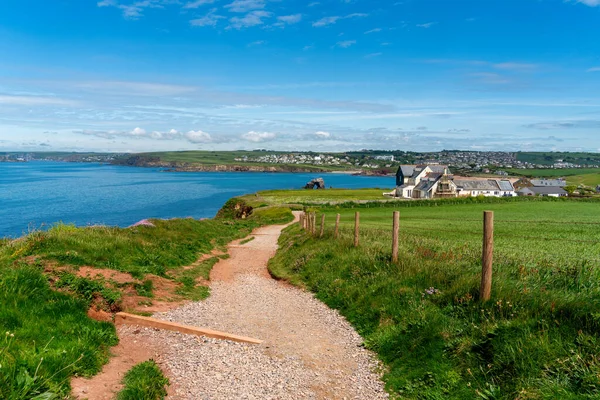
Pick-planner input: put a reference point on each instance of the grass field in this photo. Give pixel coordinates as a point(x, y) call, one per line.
point(536, 339)
point(549, 158)
point(275, 197)
point(44, 303)
point(574, 176)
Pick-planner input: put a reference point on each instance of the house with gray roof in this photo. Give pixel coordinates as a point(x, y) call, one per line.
point(549, 182)
point(485, 187)
point(546, 191)
point(420, 181)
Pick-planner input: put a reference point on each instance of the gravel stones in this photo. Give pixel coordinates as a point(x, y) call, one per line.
point(309, 350)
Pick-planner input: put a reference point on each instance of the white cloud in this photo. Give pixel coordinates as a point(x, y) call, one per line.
point(251, 19)
point(198, 137)
point(332, 20)
point(513, 66)
point(427, 25)
point(373, 31)
point(594, 69)
point(243, 6)
point(258, 137)
point(256, 43)
point(591, 3)
point(35, 101)
point(346, 43)
point(135, 88)
point(322, 134)
point(372, 55)
point(289, 19)
point(138, 132)
point(326, 21)
point(210, 19)
point(198, 3)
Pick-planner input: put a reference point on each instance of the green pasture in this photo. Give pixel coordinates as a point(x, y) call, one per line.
point(304, 196)
point(574, 176)
point(538, 338)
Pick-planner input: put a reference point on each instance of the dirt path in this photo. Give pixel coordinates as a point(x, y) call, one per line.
point(310, 351)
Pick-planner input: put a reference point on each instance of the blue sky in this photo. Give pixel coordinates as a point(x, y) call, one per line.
point(144, 75)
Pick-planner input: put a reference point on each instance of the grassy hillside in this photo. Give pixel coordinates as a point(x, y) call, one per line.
point(574, 176)
point(44, 299)
point(549, 158)
point(228, 158)
point(536, 339)
point(303, 196)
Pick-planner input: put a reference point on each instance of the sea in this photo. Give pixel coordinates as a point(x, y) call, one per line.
point(38, 194)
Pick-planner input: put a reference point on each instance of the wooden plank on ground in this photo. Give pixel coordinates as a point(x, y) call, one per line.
point(131, 319)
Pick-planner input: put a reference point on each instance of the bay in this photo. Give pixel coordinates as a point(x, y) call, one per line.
point(36, 195)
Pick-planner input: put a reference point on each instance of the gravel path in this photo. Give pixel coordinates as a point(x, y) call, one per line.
point(310, 351)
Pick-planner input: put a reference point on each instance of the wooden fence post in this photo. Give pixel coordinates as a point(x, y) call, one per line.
point(337, 227)
point(301, 221)
point(322, 225)
point(314, 223)
point(356, 228)
point(488, 256)
point(395, 236)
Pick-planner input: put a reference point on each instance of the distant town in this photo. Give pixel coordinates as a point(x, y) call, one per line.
point(463, 162)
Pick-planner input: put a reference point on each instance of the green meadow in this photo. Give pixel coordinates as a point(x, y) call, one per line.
point(574, 176)
point(46, 336)
point(536, 339)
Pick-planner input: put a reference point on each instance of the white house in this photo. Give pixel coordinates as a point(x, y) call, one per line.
point(485, 187)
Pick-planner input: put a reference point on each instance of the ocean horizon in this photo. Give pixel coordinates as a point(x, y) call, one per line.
point(36, 195)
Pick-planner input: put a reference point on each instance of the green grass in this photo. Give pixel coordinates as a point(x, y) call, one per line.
point(251, 238)
point(145, 381)
point(49, 335)
point(303, 196)
point(574, 176)
point(549, 158)
point(536, 339)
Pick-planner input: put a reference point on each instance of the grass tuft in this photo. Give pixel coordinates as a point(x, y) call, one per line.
point(144, 381)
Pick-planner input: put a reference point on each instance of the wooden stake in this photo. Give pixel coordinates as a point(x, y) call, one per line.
point(322, 225)
point(356, 228)
point(337, 227)
point(302, 220)
point(314, 223)
point(395, 236)
point(485, 291)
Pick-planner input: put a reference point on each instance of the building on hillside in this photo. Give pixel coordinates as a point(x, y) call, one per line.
point(549, 182)
point(487, 188)
point(419, 181)
point(435, 181)
point(545, 191)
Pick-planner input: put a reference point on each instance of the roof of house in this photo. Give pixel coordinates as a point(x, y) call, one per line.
point(545, 190)
point(425, 185)
point(407, 170)
point(549, 182)
point(506, 186)
point(477, 185)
